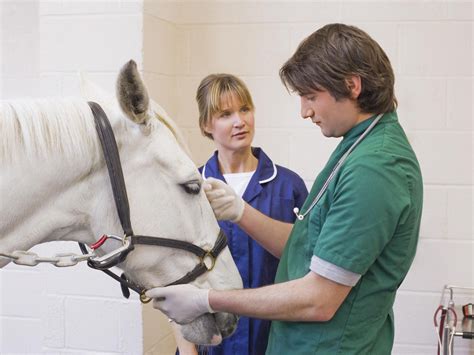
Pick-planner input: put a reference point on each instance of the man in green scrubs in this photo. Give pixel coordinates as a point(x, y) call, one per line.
point(344, 259)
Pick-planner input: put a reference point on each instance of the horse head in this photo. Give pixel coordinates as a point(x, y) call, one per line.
point(71, 198)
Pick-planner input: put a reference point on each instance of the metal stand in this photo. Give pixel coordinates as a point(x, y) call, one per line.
point(447, 326)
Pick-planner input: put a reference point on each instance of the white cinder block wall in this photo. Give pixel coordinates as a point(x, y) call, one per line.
point(43, 46)
point(430, 46)
point(428, 42)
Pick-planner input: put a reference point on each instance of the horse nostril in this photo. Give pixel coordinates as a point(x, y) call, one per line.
point(226, 323)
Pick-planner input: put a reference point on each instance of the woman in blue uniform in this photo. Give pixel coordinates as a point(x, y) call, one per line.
point(226, 115)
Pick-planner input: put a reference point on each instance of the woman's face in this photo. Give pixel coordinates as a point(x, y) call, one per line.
point(232, 127)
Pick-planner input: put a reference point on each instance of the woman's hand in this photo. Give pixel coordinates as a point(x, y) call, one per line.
point(224, 201)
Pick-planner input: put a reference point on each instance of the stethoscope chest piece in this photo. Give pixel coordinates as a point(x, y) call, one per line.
point(296, 211)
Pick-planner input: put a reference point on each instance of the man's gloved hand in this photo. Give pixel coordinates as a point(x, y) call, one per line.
point(224, 201)
point(181, 303)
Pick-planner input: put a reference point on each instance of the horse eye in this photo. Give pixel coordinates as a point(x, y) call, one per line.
point(192, 187)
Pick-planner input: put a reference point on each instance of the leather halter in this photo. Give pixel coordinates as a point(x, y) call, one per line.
point(114, 167)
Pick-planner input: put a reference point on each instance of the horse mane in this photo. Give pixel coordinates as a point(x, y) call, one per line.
point(165, 119)
point(42, 128)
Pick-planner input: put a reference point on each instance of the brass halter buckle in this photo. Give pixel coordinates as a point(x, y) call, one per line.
point(144, 298)
point(205, 257)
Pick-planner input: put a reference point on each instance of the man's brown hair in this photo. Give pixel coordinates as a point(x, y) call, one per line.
point(332, 54)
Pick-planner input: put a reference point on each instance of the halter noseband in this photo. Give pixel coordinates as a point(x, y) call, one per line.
point(114, 167)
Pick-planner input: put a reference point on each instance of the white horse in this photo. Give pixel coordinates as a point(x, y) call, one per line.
point(54, 185)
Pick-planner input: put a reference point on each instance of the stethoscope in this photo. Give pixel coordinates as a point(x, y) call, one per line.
point(336, 168)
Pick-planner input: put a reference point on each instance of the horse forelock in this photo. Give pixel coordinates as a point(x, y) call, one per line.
point(38, 129)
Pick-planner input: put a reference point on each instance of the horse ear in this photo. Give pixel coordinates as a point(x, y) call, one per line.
point(132, 94)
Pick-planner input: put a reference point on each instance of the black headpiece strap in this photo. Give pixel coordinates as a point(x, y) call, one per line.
point(114, 166)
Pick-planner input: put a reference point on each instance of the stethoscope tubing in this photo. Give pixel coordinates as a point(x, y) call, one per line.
point(336, 169)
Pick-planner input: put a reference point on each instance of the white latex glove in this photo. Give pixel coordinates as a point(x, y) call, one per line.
point(224, 201)
point(181, 303)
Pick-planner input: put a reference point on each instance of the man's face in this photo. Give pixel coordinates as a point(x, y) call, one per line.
point(335, 118)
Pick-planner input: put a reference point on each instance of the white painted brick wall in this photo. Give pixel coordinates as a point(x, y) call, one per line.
point(430, 47)
point(44, 43)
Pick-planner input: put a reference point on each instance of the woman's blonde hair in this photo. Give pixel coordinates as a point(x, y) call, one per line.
point(210, 92)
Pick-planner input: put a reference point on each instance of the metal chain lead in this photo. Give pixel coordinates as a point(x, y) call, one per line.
point(59, 260)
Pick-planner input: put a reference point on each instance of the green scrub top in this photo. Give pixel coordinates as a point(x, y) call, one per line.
point(366, 222)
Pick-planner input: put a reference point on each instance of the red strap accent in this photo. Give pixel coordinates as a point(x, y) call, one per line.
point(436, 315)
point(99, 243)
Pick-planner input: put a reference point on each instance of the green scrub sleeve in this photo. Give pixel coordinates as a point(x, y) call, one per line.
point(369, 200)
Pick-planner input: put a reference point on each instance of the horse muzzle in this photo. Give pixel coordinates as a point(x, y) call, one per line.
point(210, 329)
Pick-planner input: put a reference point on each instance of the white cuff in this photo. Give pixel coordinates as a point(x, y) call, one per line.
point(333, 272)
